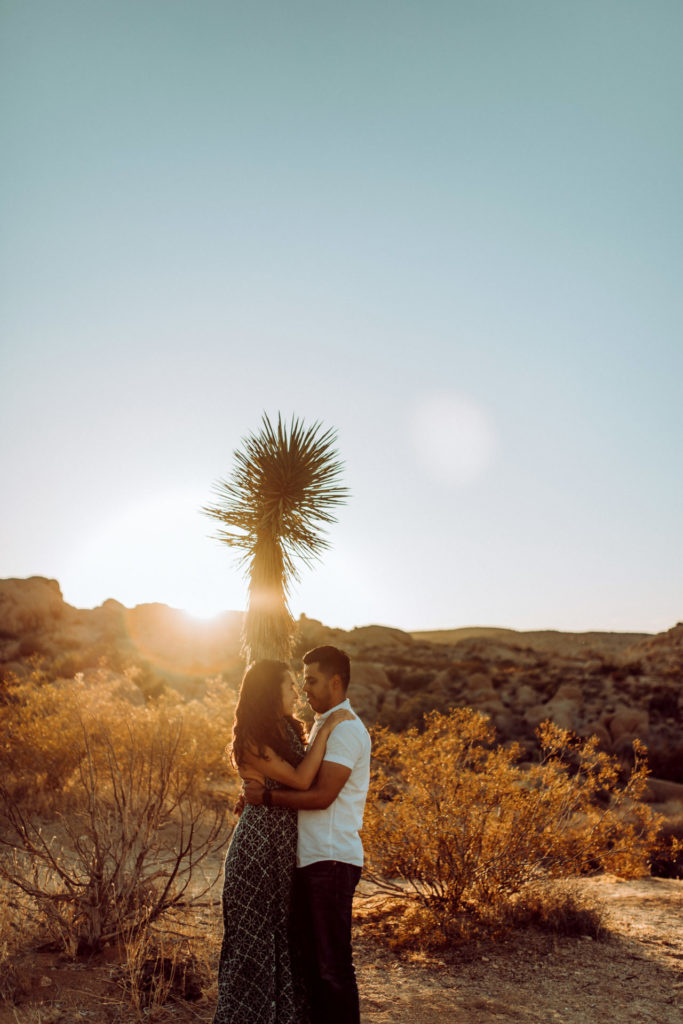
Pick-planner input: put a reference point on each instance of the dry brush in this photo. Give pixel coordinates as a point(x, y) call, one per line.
point(458, 827)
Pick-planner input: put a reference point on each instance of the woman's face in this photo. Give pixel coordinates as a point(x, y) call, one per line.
point(290, 694)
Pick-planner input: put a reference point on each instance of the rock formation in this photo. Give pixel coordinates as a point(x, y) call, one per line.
point(616, 686)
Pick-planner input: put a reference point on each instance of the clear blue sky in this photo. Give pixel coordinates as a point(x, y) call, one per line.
point(451, 230)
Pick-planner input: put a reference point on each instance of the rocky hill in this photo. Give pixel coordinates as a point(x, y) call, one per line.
point(165, 645)
point(616, 685)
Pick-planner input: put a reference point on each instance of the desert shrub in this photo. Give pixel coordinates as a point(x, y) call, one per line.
point(42, 740)
point(14, 924)
point(667, 857)
point(126, 851)
point(107, 808)
point(557, 909)
point(157, 966)
point(150, 683)
point(67, 665)
point(172, 963)
point(457, 826)
point(210, 721)
point(407, 925)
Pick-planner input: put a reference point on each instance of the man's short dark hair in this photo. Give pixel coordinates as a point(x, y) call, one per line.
point(332, 661)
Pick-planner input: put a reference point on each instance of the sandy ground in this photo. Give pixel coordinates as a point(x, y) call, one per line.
point(634, 976)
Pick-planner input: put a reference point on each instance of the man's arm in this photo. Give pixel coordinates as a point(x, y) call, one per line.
point(324, 790)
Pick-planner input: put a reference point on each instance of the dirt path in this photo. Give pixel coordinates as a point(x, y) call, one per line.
point(635, 976)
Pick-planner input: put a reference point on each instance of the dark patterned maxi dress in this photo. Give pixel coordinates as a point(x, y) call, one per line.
point(259, 975)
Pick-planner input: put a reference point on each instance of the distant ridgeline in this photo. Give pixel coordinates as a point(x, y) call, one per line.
point(617, 686)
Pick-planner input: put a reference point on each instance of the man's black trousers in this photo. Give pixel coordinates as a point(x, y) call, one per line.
point(323, 893)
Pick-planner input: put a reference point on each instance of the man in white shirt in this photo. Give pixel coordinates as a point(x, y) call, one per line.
point(329, 848)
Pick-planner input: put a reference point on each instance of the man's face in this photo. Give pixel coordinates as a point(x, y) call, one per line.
point(318, 689)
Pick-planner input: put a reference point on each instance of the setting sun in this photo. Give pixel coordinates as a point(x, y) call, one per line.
point(201, 616)
point(158, 549)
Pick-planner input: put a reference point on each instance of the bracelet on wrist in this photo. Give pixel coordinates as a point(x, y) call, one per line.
point(267, 798)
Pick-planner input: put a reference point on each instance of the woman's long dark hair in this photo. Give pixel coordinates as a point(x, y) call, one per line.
point(259, 719)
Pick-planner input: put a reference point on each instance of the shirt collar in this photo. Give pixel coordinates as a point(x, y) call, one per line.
point(344, 704)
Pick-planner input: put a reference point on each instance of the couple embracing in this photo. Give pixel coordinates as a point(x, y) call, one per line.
point(295, 857)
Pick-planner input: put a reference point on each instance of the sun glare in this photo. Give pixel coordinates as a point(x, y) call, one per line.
point(202, 614)
point(156, 550)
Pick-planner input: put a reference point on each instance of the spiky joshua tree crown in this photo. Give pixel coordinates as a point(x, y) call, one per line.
point(274, 510)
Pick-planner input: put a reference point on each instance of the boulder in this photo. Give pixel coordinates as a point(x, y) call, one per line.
point(623, 748)
point(569, 691)
point(628, 721)
point(493, 706)
point(524, 697)
point(368, 674)
point(393, 699)
point(506, 724)
point(564, 713)
point(660, 791)
point(366, 703)
point(493, 651)
point(536, 714)
point(31, 604)
point(312, 633)
point(448, 680)
point(479, 688)
point(439, 685)
point(596, 729)
point(368, 688)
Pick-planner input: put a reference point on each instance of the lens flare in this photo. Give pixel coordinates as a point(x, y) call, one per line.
point(454, 437)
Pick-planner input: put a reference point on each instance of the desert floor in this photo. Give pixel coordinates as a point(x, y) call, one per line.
point(634, 975)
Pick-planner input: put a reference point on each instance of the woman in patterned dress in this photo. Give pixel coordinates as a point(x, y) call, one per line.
point(259, 979)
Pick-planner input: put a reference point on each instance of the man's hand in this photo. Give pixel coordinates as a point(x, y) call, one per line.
point(239, 806)
point(253, 792)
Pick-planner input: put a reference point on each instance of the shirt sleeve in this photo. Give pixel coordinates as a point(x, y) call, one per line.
point(344, 745)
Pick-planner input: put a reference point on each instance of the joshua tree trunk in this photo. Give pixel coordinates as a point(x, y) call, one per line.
point(268, 624)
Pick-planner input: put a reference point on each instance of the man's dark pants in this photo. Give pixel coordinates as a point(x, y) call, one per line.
point(323, 893)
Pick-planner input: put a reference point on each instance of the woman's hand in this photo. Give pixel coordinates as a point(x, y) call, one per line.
point(343, 715)
point(299, 777)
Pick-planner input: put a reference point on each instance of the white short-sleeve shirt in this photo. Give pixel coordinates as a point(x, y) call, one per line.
point(332, 833)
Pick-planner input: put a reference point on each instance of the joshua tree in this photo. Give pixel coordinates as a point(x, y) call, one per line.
point(283, 487)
